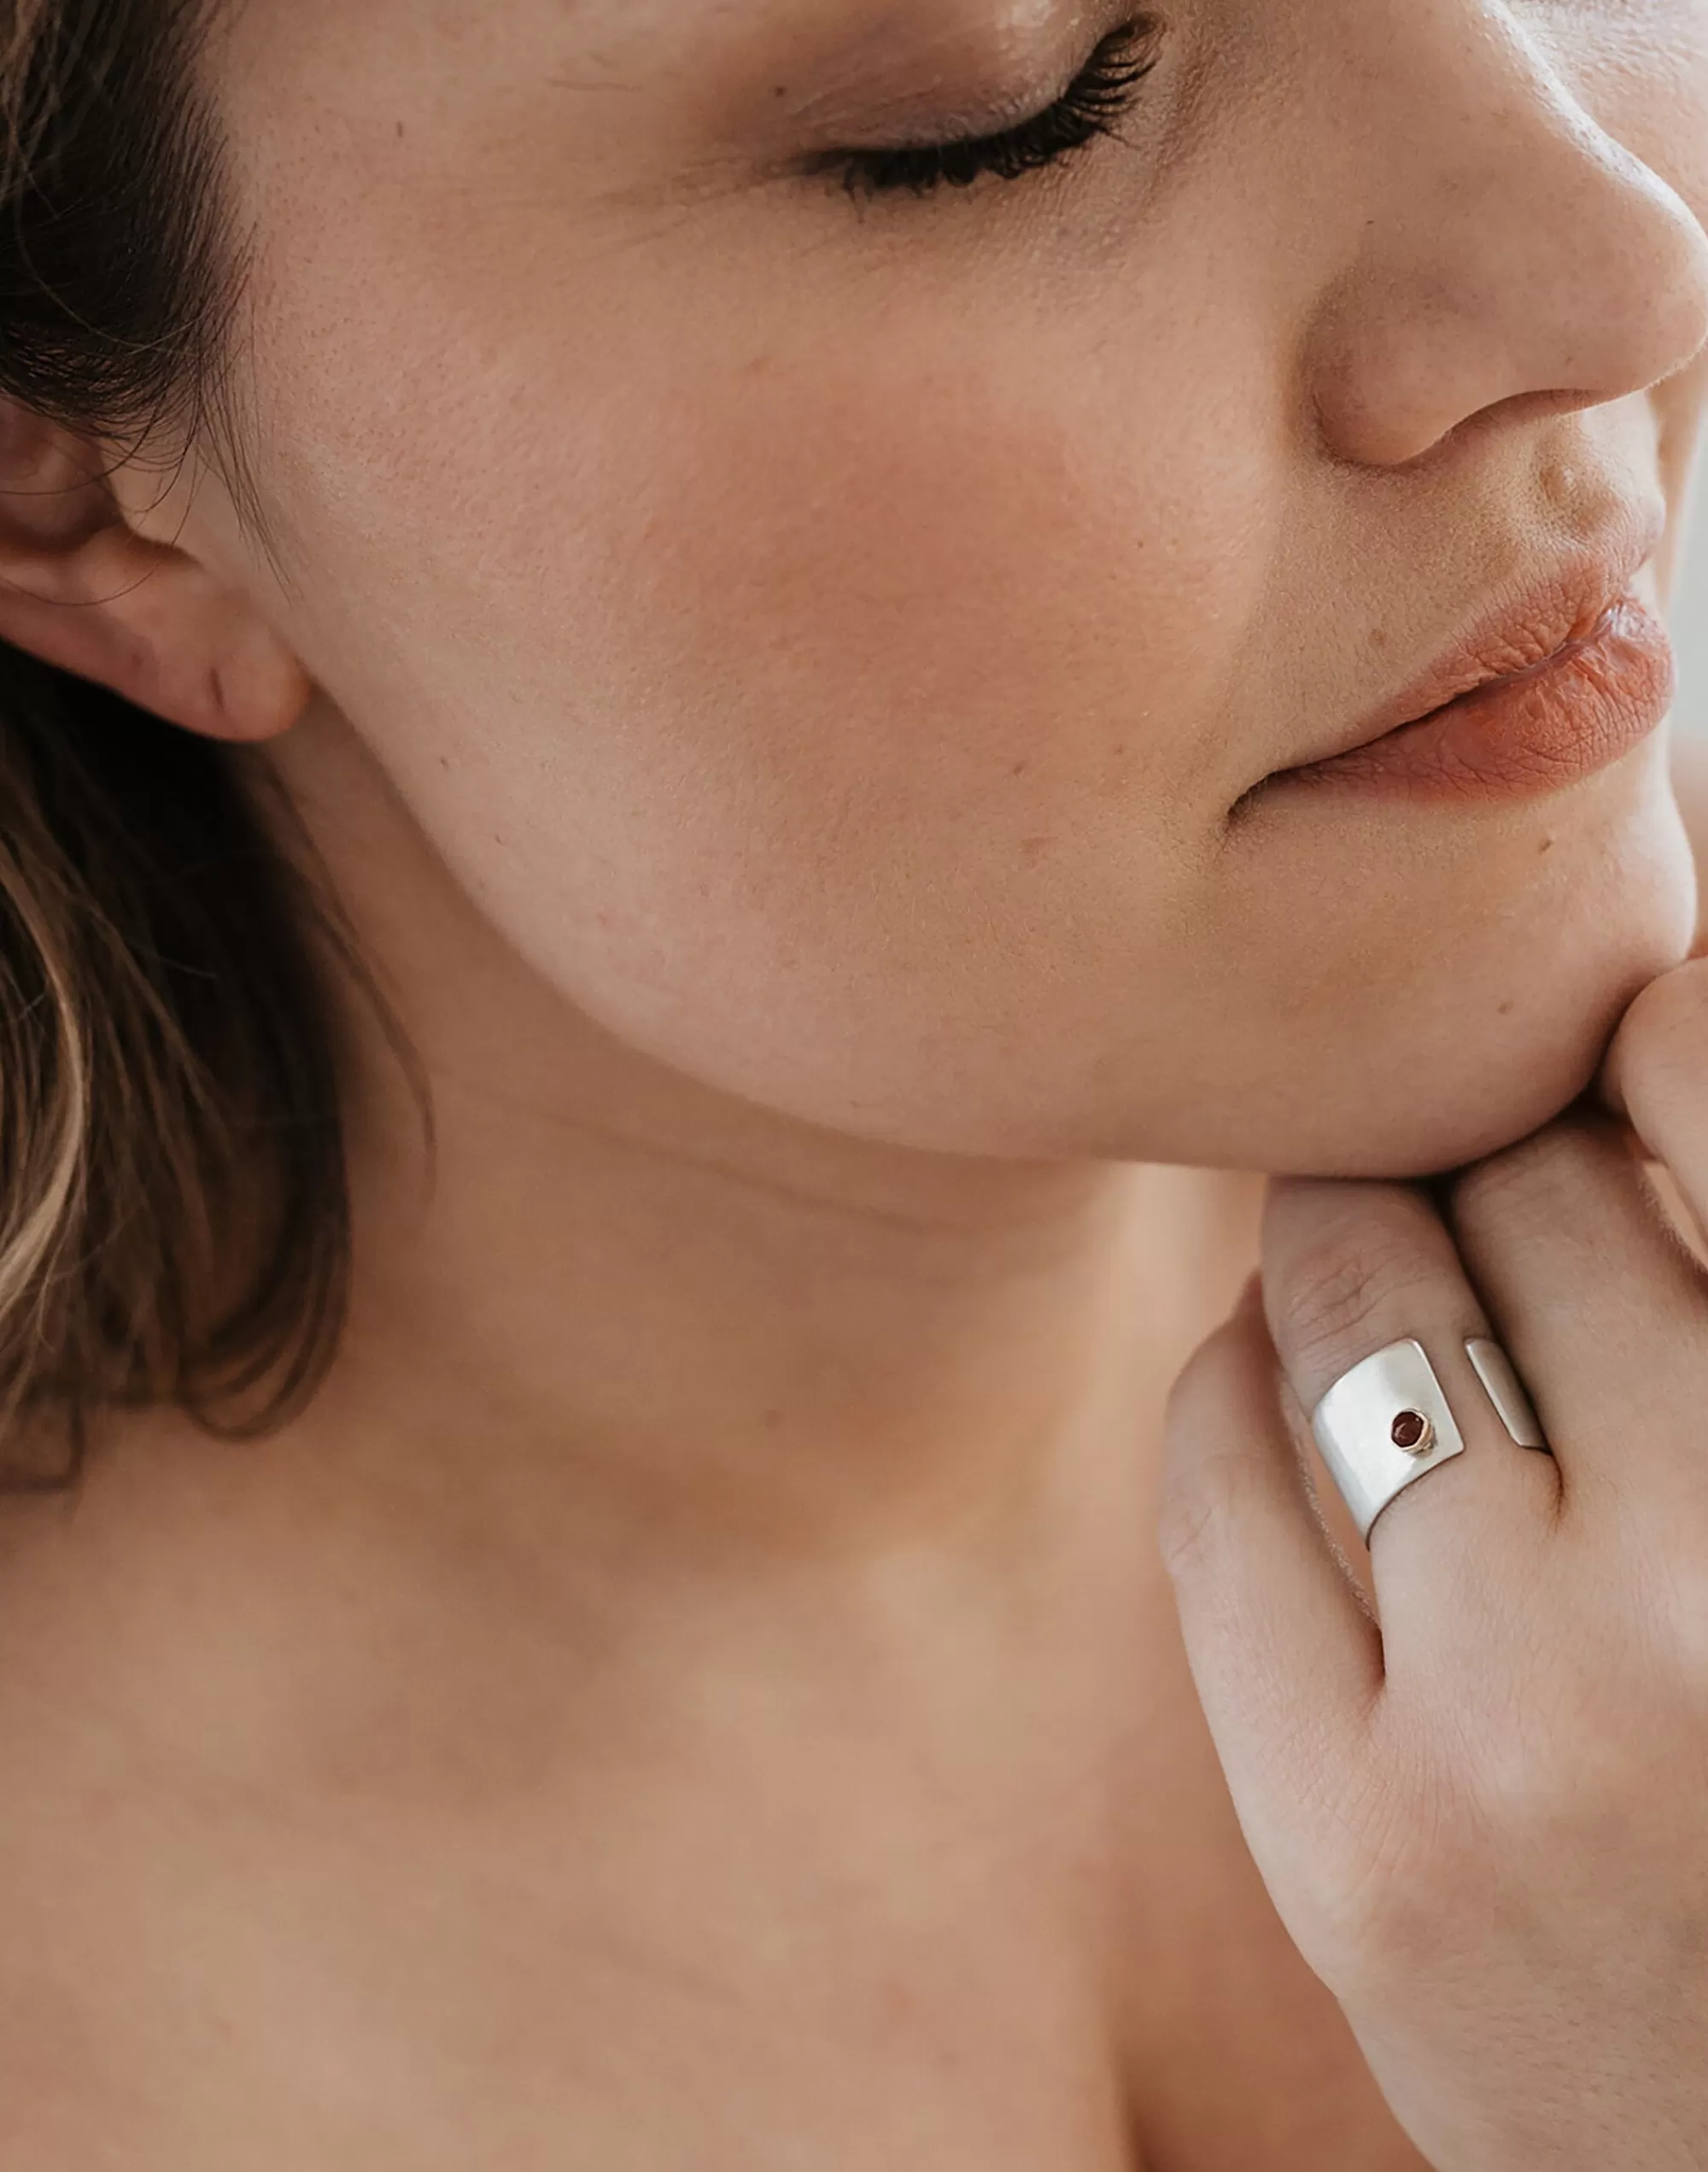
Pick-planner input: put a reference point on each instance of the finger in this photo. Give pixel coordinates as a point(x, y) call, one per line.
point(1350, 1269)
point(1657, 1076)
point(1286, 1658)
point(1602, 1309)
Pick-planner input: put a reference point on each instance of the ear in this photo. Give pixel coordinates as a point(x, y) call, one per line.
point(82, 587)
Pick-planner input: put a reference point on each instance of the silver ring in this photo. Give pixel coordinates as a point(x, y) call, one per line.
point(1388, 1423)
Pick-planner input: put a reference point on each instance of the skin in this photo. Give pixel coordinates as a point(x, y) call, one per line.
point(1535, 1700)
point(783, 687)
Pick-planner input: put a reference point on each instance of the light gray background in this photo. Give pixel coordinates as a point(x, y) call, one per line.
point(1690, 620)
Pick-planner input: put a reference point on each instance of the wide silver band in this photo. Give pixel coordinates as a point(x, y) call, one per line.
point(1386, 1423)
point(1363, 1421)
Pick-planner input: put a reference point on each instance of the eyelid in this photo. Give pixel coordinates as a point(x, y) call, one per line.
point(941, 99)
point(934, 116)
point(1089, 107)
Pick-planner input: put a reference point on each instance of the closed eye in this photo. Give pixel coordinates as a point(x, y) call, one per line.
point(1093, 106)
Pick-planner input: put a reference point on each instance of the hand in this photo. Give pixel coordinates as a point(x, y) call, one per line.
point(1485, 1821)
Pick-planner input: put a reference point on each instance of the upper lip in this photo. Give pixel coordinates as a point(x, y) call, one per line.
point(1539, 618)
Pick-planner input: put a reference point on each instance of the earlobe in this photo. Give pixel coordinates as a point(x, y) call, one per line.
point(82, 589)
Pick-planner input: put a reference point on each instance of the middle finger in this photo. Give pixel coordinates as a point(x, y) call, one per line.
point(1602, 1307)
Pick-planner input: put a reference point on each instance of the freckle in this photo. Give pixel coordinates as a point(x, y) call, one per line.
point(1121, 750)
point(773, 1419)
point(779, 91)
point(1547, 845)
point(1508, 1007)
point(1032, 848)
point(400, 132)
point(1378, 637)
point(1020, 769)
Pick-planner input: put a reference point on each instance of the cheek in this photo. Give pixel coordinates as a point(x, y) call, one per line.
point(1643, 76)
point(955, 609)
point(985, 554)
point(830, 725)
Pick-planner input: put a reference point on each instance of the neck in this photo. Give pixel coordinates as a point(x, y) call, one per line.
point(621, 1294)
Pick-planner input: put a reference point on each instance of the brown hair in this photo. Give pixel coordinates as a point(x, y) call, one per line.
point(175, 1216)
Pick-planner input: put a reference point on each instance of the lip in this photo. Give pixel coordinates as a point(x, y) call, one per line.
point(1541, 696)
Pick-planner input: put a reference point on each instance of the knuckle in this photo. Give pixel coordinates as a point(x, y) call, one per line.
point(1425, 1854)
point(1205, 1521)
point(1342, 1292)
point(1200, 1477)
point(1188, 1532)
point(1677, 1591)
point(1661, 1046)
point(1378, 1907)
point(1528, 1778)
point(1527, 1183)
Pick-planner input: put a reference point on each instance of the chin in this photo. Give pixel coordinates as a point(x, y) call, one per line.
point(1480, 1031)
point(1405, 1138)
point(1498, 1074)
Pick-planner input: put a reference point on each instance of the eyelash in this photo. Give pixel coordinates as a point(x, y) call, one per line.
point(1093, 106)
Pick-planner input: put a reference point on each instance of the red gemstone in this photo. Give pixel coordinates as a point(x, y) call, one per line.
point(1411, 1428)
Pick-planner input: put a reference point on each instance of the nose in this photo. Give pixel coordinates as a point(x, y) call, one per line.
point(1514, 255)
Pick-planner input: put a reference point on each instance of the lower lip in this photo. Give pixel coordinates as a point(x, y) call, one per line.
point(1535, 733)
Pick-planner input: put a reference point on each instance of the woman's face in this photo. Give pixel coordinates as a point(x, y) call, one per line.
point(849, 638)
